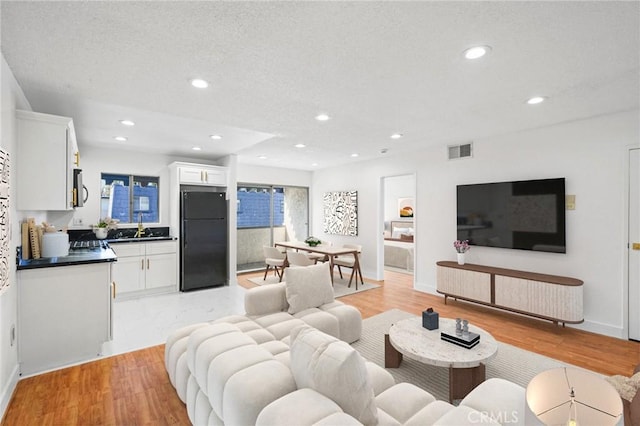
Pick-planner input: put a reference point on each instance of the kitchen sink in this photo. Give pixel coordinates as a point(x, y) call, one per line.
point(129, 234)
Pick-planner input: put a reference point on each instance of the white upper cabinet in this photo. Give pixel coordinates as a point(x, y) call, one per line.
point(47, 155)
point(182, 173)
point(202, 175)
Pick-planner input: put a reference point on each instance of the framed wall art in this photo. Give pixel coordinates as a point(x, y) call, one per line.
point(4, 219)
point(341, 213)
point(405, 207)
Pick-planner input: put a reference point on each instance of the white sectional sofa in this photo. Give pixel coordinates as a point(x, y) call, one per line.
point(288, 361)
point(272, 311)
point(335, 387)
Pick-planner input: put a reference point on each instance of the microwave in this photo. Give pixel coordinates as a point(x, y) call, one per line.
point(80, 193)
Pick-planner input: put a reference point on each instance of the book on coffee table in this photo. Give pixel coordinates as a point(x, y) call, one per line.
point(464, 341)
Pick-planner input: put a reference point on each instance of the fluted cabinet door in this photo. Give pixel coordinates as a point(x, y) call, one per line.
point(468, 284)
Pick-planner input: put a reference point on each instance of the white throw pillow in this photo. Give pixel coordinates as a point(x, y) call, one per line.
point(627, 387)
point(308, 287)
point(335, 369)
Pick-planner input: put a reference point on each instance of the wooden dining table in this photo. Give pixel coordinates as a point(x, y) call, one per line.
point(331, 252)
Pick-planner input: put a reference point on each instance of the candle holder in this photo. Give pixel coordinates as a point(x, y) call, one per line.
point(430, 319)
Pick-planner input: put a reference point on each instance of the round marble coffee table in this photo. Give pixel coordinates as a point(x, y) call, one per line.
point(466, 366)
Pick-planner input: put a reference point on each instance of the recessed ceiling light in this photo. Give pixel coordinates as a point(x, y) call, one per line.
point(127, 122)
point(354, 155)
point(299, 145)
point(196, 148)
point(314, 164)
point(476, 52)
point(216, 137)
point(396, 136)
point(322, 117)
point(120, 138)
point(262, 157)
point(199, 83)
point(536, 100)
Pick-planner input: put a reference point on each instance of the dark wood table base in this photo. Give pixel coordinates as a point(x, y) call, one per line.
point(392, 358)
point(461, 380)
point(464, 380)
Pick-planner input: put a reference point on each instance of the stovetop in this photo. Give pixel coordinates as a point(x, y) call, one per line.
point(89, 244)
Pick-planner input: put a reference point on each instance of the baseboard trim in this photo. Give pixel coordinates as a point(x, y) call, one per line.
point(9, 389)
point(599, 328)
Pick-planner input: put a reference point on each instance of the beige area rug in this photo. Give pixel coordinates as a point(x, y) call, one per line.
point(339, 285)
point(511, 363)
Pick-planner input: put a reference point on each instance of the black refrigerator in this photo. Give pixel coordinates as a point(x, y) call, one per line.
point(203, 237)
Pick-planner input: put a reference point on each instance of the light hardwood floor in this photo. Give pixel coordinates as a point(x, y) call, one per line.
point(133, 388)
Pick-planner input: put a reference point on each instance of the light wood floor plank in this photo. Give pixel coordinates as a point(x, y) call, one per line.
point(134, 389)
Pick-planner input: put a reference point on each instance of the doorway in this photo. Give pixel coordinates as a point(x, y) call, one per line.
point(399, 224)
point(267, 214)
point(633, 249)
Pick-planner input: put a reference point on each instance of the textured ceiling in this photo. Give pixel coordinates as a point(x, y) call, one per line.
point(375, 67)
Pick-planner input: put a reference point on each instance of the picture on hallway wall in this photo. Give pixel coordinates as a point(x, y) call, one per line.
point(341, 213)
point(4, 219)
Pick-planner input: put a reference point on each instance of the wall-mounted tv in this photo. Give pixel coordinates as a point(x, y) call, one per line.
point(526, 215)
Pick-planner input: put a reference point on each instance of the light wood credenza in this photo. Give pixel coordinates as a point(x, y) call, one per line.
point(549, 297)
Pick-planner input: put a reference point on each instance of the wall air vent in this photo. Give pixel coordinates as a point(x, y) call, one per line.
point(460, 151)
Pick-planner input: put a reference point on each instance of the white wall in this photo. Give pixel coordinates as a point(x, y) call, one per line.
point(96, 160)
point(590, 154)
point(273, 176)
point(12, 99)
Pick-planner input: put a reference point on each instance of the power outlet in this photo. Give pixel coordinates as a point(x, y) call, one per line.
point(78, 221)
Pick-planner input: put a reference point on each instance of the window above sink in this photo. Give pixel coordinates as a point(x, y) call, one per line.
point(130, 198)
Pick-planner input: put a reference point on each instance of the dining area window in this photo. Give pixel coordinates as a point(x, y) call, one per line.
point(266, 214)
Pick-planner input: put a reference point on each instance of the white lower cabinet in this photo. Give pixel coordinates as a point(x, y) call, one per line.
point(64, 315)
point(145, 268)
point(128, 272)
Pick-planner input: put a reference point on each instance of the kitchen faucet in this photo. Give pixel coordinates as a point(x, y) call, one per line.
point(140, 232)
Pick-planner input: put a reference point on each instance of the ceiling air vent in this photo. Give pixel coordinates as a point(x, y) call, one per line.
point(460, 151)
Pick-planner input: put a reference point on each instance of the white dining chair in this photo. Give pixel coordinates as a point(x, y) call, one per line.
point(274, 258)
point(348, 261)
point(299, 259)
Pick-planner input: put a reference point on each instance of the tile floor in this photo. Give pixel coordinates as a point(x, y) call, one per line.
point(147, 321)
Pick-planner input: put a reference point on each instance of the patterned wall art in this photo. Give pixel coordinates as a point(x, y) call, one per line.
point(341, 213)
point(4, 219)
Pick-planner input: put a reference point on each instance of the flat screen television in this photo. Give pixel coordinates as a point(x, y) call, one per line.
point(526, 215)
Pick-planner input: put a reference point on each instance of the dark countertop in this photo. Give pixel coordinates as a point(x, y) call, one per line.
point(138, 240)
point(75, 257)
point(83, 256)
point(123, 234)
